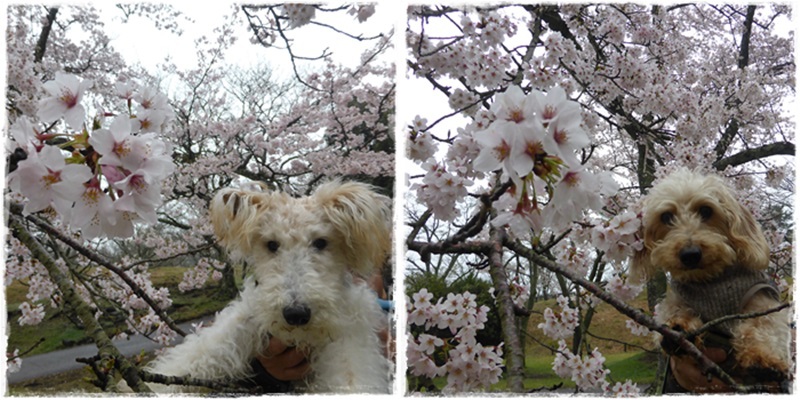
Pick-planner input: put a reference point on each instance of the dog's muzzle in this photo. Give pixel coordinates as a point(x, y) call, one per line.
point(297, 314)
point(690, 256)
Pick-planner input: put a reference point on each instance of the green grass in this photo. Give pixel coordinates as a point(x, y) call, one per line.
point(639, 367)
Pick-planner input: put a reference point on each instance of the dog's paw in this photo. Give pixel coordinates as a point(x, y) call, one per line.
point(760, 361)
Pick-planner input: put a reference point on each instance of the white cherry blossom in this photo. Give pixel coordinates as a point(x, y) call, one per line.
point(66, 92)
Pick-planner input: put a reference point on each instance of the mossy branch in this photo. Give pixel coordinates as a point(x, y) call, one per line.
point(106, 349)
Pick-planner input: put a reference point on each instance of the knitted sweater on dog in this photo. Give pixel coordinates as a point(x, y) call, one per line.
point(727, 294)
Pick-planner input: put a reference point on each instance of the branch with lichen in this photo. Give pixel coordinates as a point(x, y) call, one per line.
point(216, 386)
point(106, 349)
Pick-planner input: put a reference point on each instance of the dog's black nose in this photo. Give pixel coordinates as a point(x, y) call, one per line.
point(690, 256)
point(297, 314)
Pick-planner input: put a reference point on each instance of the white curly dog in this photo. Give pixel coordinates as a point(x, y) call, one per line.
point(305, 253)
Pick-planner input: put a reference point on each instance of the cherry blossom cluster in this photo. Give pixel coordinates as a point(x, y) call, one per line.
point(299, 14)
point(562, 325)
point(589, 372)
point(617, 237)
point(196, 277)
point(13, 362)
point(520, 292)
point(100, 181)
point(621, 288)
point(637, 328)
point(532, 139)
point(362, 11)
point(474, 56)
point(31, 315)
point(421, 146)
point(468, 364)
point(139, 316)
point(440, 189)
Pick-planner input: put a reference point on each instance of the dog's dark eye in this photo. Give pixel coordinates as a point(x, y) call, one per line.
point(705, 212)
point(320, 243)
point(273, 246)
point(667, 218)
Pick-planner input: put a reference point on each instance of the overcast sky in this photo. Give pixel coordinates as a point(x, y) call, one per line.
point(139, 40)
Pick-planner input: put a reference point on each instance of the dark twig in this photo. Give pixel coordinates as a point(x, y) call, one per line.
point(710, 324)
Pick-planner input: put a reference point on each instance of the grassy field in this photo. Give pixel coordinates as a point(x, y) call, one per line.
point(639, 367)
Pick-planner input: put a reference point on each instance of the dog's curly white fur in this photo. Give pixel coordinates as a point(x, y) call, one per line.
point(304, 253)
point(695, 230)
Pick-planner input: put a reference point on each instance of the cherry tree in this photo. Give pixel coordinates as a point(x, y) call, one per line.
point(552, 121)
point(106, 155)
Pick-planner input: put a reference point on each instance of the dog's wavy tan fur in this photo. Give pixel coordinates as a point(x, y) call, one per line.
point(729, 237)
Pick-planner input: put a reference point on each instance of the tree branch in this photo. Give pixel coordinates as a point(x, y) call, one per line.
point(105, 347)
point(515, 359)
point(41, 44)
point(710, 324)
point(189, 381)
point(745, 156)
point(743, 59)
point(100, 260)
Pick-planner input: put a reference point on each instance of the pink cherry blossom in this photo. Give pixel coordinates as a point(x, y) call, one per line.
point(299, 14)
point(14, 363)
point(468, 365)
point(362, 12)
point(93, 212)
point(30, 315)
point(577, 191)
point(66, 93)
point(25, 135)
point(115, 144)
point(45, 179)
point(495, 149)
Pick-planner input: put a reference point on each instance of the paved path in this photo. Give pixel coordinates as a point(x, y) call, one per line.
point(64, 360)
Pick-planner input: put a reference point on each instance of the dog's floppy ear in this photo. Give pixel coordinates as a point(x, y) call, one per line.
point(640, 267)
point(745, 235)
point(234, 214)
point(364, 219)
